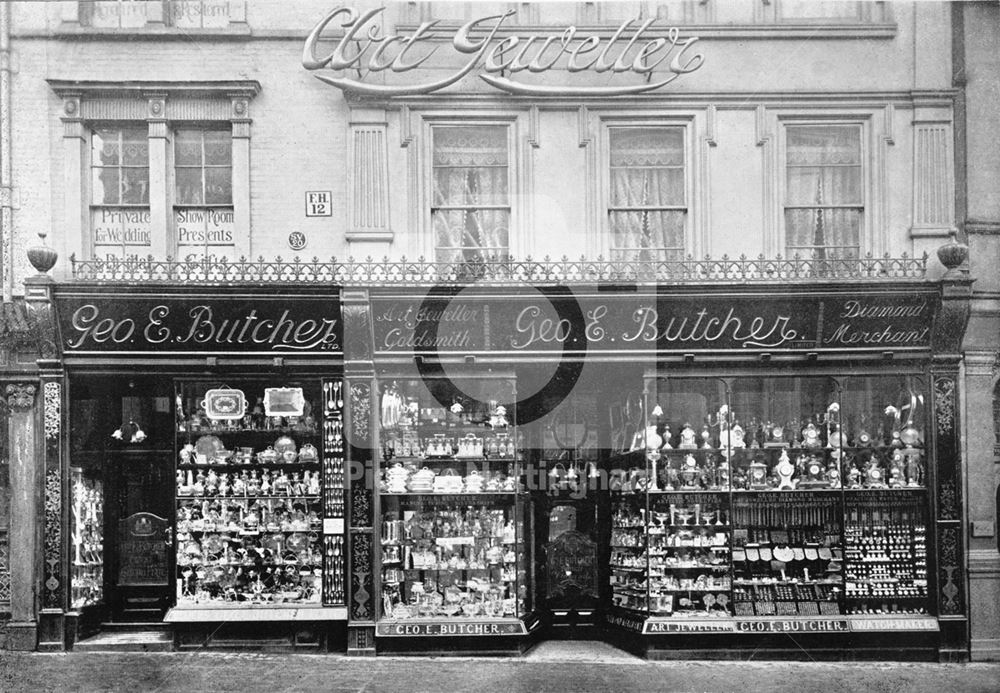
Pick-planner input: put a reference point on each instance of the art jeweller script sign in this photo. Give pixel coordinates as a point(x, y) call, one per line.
point(191, 324)
point(525, 322)
point(364, 49)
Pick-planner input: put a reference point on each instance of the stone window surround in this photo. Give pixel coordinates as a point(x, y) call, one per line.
point(876, 136)
point(420, 155)
point(695, 231)
point(160, 105)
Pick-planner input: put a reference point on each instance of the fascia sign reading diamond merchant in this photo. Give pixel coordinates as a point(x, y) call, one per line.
point(365, 50)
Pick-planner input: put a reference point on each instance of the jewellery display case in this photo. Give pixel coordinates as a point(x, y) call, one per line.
point(751, 497)
point(259, 470)
point(454, 558)
point(87, 536)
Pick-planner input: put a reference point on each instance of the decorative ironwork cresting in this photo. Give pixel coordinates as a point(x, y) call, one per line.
point(547, 270)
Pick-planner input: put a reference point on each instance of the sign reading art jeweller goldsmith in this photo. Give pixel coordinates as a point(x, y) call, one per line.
point(489, 45)
point(186, 323)
point(529, 321)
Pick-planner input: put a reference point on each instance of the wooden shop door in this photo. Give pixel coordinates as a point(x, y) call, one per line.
point(569, 562)
point(140, 531)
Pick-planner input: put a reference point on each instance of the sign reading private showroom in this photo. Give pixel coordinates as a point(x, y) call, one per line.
point(529, 321)
point(640, 58)
point(187, 323)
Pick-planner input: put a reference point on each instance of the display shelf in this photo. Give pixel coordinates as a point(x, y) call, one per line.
point(310, 434)
point(311, 499)
point(389, 494)
point(243, 611)
point(221, 466)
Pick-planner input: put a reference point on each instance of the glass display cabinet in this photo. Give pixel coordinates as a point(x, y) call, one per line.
point(774, 497)
point(453, 515)
point(250, 493)
point(87, 538)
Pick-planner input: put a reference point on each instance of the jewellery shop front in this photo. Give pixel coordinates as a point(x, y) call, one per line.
point(205, 463)
point(719, 471)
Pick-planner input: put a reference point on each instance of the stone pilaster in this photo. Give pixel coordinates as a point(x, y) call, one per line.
point(25, 486)
point(159, 174)
point(369, 230)
point(983, 474)
point(933, 167)
point(240, 118)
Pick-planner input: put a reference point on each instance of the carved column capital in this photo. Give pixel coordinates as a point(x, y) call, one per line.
point(20, 396)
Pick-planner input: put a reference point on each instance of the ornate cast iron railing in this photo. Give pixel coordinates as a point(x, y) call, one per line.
point(545, 271)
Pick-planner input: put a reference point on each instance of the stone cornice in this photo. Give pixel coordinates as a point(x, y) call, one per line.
point(247, 88)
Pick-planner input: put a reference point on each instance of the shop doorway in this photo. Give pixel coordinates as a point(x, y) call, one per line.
point(139, 536)
point(568, 563)
point(568, 507)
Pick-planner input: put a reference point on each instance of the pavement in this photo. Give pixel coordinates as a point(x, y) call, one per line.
point(563, 667)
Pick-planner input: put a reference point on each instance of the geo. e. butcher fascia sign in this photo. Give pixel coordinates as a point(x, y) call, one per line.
point(185, 323)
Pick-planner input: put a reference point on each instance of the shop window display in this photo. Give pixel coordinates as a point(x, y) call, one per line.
point(87, 549)
point(250, 501)
point(796, 496)
point(453, 514)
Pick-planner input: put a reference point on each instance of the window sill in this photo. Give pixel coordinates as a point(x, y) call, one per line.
point(370, 236)
point(932, 231)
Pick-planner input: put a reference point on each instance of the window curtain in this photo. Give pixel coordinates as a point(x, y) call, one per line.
point(647, 174)
point(471, 206)
point(824, 170)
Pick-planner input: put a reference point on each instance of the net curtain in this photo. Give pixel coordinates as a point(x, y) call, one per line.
point(471, 204)
point(824, 190)
point(647, 187)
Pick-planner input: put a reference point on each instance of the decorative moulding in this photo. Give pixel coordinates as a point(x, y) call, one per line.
point(86, 88)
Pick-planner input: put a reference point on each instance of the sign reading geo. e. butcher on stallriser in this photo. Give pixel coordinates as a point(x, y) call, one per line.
point(271, 325)
point(529, 322)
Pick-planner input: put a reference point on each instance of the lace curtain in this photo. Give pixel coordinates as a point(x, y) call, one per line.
point(470, 212)
point(824, 199)
point(646, 214)
point(203, 167)
point(120, 166)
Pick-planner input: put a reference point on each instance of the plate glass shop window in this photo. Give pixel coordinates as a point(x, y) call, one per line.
point(470, 207)
point(647, 208)
point(824, 199)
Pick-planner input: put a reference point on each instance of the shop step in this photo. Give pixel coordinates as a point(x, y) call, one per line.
point(130, 637)
point(134, 627)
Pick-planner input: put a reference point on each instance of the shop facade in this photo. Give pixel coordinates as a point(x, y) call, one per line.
point(479, 464)
point(473, 450)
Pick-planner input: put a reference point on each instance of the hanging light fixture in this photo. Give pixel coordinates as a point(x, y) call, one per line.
point(129, 432)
